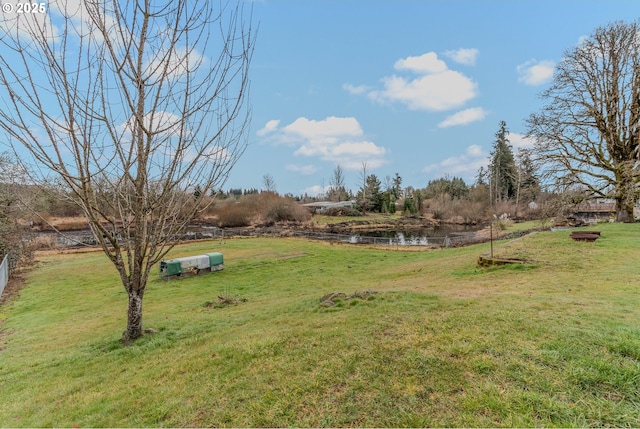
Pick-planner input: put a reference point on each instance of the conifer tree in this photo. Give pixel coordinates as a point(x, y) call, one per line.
point(502, 169)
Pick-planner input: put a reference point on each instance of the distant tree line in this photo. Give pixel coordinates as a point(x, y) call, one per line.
point(586, 142)
point(508, 182)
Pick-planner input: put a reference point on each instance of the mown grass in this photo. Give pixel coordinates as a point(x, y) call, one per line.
point(554, 342)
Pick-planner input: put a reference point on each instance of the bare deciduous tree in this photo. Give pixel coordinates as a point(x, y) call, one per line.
point(587, 134)
point(363, 189)
point(337, 189)
point(268, 183)
point(128, 106)
point(11, 239)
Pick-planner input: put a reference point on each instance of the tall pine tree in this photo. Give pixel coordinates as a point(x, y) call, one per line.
point(502, 169)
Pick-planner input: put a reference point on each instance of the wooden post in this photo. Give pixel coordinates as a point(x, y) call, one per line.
point(491, 236)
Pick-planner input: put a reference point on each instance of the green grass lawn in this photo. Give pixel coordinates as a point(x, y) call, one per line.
point(555, 342)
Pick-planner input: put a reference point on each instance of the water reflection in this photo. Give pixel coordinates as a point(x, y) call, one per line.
point(440, 237)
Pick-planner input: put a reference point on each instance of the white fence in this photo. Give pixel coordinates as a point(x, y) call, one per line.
point(4, 273)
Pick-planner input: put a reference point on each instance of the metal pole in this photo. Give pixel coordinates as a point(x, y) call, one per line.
point(491, 234)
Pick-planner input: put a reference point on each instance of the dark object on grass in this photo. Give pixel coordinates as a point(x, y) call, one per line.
point(224, 301)
point(585, 235)
point(487, 261)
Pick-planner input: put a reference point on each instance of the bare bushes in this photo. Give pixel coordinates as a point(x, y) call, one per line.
point(265, 208)
point(464, 211)
point(473, 211)
point(274, 208)
point(286, 210)
point(232, 215)
point(343, 211)
point(43, 242)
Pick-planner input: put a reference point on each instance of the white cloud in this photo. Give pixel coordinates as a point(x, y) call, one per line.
point(519, 141)
point(465, 165)
point(464, 117)
point(173, 64)
point(269, 127)
point(326, 129)
point(355, 90)
point(162, 123)
point(362, 147)
point(17, 23)
point(217, 155)
point(436, 89)
point(426, 63)
point(305, 170)
point(475, 151)
point(463, 56)
point(535, 72)
point(314, 191)
point(333, 139)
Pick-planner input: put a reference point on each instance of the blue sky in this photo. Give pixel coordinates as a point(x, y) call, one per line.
point(415, 87)
point(407, 86)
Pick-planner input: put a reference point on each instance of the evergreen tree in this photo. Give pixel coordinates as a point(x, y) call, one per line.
point(481, 176)
point(529, 184)
point(397, 186)
point(409, 206)
point(389, 202)
point(236, 192)
point(370, 195)
point(197, 192)
point(502, 169)
point(439, 188)
point(459, 188)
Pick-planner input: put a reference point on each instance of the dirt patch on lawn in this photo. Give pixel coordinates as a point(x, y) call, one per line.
point(11, 291)
point(331, 299)
point(16, 283)
point(224, 301)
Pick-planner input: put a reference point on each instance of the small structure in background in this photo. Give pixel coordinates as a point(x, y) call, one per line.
point(595, 210)
point(323, 206)
point(191, 265)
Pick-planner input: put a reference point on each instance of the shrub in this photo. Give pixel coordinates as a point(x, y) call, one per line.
point(470, 211)
point(441, 209)
point(409, 206)
point(43, 242)
point(342, 211)
point(504, 222)
point(284, 209)
point(234, 215)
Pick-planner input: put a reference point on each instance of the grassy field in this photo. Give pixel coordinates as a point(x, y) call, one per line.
point(555, 342)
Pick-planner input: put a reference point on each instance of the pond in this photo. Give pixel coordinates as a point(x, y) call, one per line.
point(441, 236)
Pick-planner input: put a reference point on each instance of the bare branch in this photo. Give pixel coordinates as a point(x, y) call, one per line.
point(587, 134)
point(131, 104)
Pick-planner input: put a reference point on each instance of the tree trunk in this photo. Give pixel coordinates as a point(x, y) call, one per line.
point(625, 196)
point(624, 211)
point(134, 318)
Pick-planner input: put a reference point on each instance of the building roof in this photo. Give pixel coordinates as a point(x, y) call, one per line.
point(329, 204)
